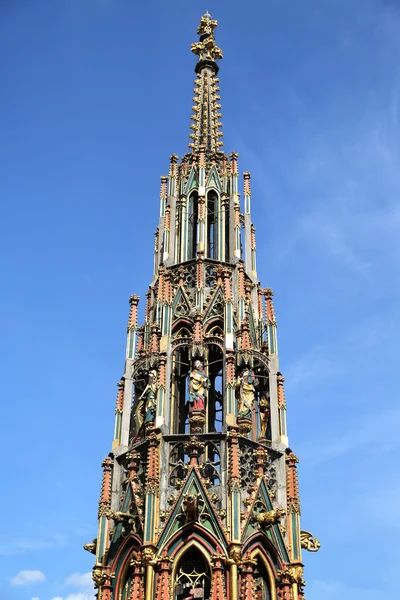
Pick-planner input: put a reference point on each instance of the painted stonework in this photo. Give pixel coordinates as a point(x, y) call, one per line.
point(200, 494)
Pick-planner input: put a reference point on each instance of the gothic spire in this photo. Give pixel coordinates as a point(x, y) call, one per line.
point(206, 116)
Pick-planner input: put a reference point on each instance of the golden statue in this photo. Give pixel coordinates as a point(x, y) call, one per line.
point(245, 394)
point(264, 407)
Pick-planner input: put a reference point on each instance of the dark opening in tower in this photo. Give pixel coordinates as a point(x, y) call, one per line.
point(212, 225)
point(193, 213)
point(261, 582)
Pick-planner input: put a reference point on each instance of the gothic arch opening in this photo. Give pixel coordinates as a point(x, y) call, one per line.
point(261, 582)
point(180, 371)
point(212, 224)
point(193, 214)
point(192, 576)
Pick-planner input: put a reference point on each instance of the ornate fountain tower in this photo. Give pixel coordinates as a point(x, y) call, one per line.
point(199, 496)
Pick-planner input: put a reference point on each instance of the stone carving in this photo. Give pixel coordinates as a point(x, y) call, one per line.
point(91, 546)
point(309, 542)
point(245, 394)
point(191, 507)
point(264, 407)
point(149, 397)
point(272, 517)
point(146, 408)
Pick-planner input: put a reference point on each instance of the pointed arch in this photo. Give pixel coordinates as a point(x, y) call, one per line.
point(181, 305)
point(213, 179)
point(192, 182)
point(260, 557)
point(121, 564)
point(216, 305)
point(259, 542)
point(197, 572)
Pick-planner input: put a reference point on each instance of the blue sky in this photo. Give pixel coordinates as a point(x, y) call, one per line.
point(96, 95)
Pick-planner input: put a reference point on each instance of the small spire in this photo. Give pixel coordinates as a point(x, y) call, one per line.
point(206, 116)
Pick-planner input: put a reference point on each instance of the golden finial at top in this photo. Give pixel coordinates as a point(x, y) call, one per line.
point(206, 48)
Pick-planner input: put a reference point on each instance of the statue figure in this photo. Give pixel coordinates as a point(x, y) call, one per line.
point(146, 407)
point(198, 383)
point(264, 407)
point(149, 397)
point(190, 502)
point(245, 392)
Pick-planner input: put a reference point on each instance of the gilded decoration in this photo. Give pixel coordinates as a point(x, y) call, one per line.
point(309, 542)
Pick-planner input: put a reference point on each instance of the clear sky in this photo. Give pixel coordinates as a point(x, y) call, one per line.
point(95, 96)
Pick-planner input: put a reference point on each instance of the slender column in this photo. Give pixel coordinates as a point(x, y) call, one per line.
point(233, 561)
point(149, 564)
point(202, 170)
point(167, 225)
point(234, 219)
point(171, 200)
point(228, 309)
point(119, 407)
point(156, 249)
point(104, 508)
point(234, 486)
point(164, 577)
point(284, 585)
point(270, 321)
point(247, 224)
point(163, 195)
point(183, 227)
point(224, 226)
point(201, 225)
point(293, 506)
point(152, 490)
point(199, 280)
point(248, 577)
point(195, 449)
point(253, 247)
point(132, 326)
point(217, 584)
point(102, 578)
point(136, 591)
point(282, 408)
point(161, 390)
point(230, 389)
point(241, 290)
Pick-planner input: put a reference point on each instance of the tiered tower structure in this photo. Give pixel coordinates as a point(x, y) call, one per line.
point(199, 496)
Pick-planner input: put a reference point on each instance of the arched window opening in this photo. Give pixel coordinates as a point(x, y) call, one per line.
point(193, 576)
point(180, 370)
point(178, 461)
point(261, 582)
point(193, 210)
point(215, 328)
point(211, 460)
point(215, 393)
point(212, 225)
